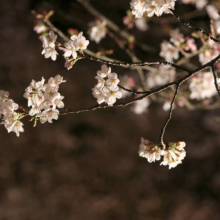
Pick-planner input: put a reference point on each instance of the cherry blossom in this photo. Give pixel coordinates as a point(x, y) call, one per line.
point(97, 30)
point(70, 50)
point(44, 98)
point(149, 150)
point(139, 7)
point(140, 106)
point(106, 90)
point(11, 119)
point(202, 86)
point(176, 37)
point(174, 154)
point(169, 52)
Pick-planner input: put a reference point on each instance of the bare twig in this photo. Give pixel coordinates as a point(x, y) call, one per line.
point(136, 63)
point(169, 116)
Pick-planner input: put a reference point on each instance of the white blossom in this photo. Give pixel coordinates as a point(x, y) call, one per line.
point(164, 75)
point(212, 12)
point(44, 98)
point(140, 106)
point(176, 37)
point(49, 46)
point(48, 115)
point(111, 95)
point(14, 126)
point(141, 24)
point(80, 41)
point(202, 86)
point(169, 52)
point(98, 94)
point(149, 150)
point(70, 50)
point(97, 30)
point(158, 7)
point(106, 90)
point(39, 27)
point(11, 119)
point(112, 80)
point(174, 154)
point(104, 71)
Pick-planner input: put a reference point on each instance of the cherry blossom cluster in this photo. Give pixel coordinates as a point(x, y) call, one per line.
point(170, 50)
point(45, 98)
point(157, 7)
point(106, 90)
point(11, 119)
point(49, 46)
point(97, 30)
point(201, 86)
point(172, 155)
point(164, 75)
point(212, 50)
point(77, 43)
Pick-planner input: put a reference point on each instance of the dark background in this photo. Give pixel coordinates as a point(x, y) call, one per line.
point(86, 166)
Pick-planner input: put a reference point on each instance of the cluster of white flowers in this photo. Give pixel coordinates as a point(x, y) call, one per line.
point(202, 86)
point(49, 45)
point(97, 30)
point(169, 52)
point(158, 7)
point(11, 119)
point(44, 98)
point(76, 43)
point(164, 75)
point(212, 51)
point(149, 150)
point(176, 37)
point(141, 106)
point(200, 4)
point(107, 90)
point(172, 155)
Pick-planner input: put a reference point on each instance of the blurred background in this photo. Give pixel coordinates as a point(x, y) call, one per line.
point(86, 166)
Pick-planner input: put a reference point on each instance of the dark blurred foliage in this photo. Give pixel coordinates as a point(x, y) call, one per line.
point(86, 166)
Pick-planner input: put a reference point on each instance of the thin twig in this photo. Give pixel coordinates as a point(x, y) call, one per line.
point(136, 63)
point(169, 116)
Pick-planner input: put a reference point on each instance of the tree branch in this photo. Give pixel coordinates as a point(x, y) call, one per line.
point(215, 79)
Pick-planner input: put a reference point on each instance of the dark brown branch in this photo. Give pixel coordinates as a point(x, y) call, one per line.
point(215, 79)
point(132, 91)
point(135, 63)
